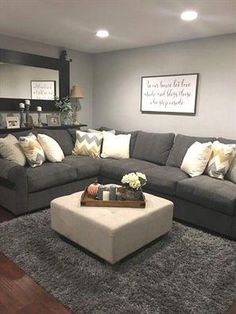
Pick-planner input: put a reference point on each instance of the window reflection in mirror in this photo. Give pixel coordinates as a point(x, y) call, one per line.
point(15, 80)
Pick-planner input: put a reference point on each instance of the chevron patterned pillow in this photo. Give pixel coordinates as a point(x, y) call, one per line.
point(88, 144)
point(32, 149)
point(221, 159)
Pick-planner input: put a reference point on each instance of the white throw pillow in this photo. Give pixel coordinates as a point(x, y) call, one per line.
point(10, 149)
point(51, 148)
point(196, 158)
point(115, 146)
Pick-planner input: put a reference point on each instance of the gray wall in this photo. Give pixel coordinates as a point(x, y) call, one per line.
point(81, 69)
point(117, 86)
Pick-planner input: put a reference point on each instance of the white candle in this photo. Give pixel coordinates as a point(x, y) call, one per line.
point(21, 105)
point(27, 102)
point(39, 108)
point(105, 195)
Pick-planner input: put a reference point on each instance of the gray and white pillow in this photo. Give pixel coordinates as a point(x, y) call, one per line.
point(88, 144)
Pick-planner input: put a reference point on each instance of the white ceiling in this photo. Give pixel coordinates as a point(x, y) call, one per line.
point(131, 23)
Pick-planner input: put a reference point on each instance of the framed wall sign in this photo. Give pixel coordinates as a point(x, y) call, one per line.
point(45, 90)
point(176, 94)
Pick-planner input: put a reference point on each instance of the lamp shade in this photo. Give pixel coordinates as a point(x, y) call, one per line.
point(76, 92)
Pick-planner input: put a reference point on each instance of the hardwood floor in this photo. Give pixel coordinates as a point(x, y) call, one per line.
point(20, 294)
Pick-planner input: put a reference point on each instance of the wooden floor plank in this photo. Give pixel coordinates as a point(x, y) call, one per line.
point(20, 294)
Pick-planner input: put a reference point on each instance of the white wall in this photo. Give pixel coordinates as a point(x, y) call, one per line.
point(117, 86)
point(81, 69)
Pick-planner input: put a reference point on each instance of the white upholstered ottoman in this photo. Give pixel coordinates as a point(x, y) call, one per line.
point(111, 232)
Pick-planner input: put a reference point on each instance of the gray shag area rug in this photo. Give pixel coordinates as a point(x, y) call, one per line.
point(186, 271)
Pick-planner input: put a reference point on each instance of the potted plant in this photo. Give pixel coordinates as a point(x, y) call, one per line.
point(66, 111)
point(133, 183)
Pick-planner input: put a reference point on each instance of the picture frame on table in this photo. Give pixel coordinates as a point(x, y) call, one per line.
point(12, 122)
point(53, 120)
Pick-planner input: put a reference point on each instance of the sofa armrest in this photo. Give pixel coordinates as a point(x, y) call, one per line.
point(12, 172)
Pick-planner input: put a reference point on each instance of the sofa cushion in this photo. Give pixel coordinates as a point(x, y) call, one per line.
point(10, 149)
point(50, 175)
point(85, 166)
point(132, 139)
point(231, 174)
point(62, 137)
point(180, 147)
point(116, 168)
point(163, 179)
point(208, 192)
point(153, 147)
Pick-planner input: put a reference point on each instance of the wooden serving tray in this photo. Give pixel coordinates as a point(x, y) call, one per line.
point(88, 200)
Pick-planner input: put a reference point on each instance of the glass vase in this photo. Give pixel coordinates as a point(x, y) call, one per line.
point(66, 118)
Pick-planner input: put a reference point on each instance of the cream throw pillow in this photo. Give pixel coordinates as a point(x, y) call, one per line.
point(32, 150)
point(115, 146)
point(10, 149)
point(51, 148)
point(88, 144)
point(221, 159)
point(196, 158)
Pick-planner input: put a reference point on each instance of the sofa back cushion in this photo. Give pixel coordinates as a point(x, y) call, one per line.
point(153, 147)
point(180, 147)
point(62, 137)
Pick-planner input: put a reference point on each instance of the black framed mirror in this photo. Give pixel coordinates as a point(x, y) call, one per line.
point(12, 89)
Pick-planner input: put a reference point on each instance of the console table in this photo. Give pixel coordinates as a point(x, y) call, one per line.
point(61, 127)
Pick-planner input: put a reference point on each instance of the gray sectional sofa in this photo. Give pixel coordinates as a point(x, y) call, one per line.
point(202, 201)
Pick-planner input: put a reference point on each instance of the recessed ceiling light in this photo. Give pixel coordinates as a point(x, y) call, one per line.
point(102, 33)
point(189, 15)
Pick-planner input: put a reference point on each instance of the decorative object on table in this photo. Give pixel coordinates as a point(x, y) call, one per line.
point(103, 198)
point(12, 122)
point(76, 95)
point(2, 124)
point(175, 93)
point(39, 110)
point(53, 120)
point(66, 111)
point(28, 122)
point(22, 108)
point(133, 183)
point(43, 89)
point(93, 189)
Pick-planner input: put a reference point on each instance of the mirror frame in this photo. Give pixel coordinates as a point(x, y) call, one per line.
point(61, 65)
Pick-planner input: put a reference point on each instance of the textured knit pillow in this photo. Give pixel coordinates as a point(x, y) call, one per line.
point(221, 159)
point(115, 146)
point(196, 158)
point(32, 149)
point(10, 149)
point(88, 144)
point(51, 148)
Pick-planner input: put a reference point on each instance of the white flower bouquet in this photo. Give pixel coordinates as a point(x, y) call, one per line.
point(134, 180)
